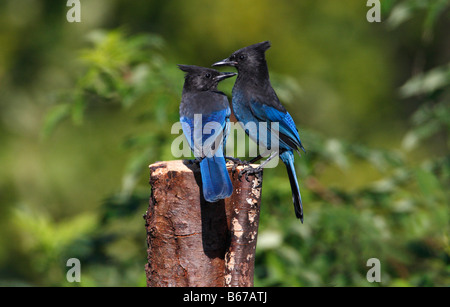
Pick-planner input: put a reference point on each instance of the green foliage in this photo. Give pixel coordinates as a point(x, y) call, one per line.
point(401, 219)
point(381, 191)
point(49, 241)
point(120, 71)
point(434, 115)
point(407, 9)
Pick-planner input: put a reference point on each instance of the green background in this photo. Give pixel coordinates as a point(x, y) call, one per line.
point(86, 107)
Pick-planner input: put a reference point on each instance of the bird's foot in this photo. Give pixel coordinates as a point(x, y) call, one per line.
point(249, 171)
point(196, 161)
point(236, 163)
point(236, 160)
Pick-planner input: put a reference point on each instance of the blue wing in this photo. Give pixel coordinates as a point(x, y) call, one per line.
point(289, 138)
point(206, 132)
point(206, 135)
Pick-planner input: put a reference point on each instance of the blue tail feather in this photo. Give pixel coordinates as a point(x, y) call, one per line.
point(288, 158)
point(215, 179)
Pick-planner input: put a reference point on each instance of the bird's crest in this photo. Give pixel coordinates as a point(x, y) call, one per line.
point(262, 46)
point(193, 70)
point(189, 68)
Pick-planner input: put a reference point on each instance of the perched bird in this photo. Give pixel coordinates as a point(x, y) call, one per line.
point(255, 101)
point(204, 115)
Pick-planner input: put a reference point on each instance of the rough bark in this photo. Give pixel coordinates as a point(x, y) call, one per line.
point(195, 243)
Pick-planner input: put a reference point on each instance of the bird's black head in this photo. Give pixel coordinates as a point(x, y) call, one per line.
point(249, 58)
point(203, 79)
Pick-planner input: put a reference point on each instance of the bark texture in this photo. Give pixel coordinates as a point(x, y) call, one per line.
point(193, 243)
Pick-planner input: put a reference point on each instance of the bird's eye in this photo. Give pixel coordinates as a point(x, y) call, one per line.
point(242, 57)
point(208, 75)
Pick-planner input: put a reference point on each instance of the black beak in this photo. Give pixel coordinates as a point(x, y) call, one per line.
point(224, 75)
point(226, 62)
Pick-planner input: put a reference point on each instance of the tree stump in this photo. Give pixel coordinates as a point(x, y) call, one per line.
point(194, 243)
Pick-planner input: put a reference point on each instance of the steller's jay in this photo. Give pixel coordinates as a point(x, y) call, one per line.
point(204, 115)
point(254, 100)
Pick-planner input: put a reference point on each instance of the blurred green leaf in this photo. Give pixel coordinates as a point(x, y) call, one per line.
point(426, 83)
point(399, 14)
point(428, 183)
point(269, 239)
point(435, 9)
point(136, 164)
point(55, 116)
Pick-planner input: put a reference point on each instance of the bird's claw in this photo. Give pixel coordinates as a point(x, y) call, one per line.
point(248, 171)
point(196, 161)
point(236, 163)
